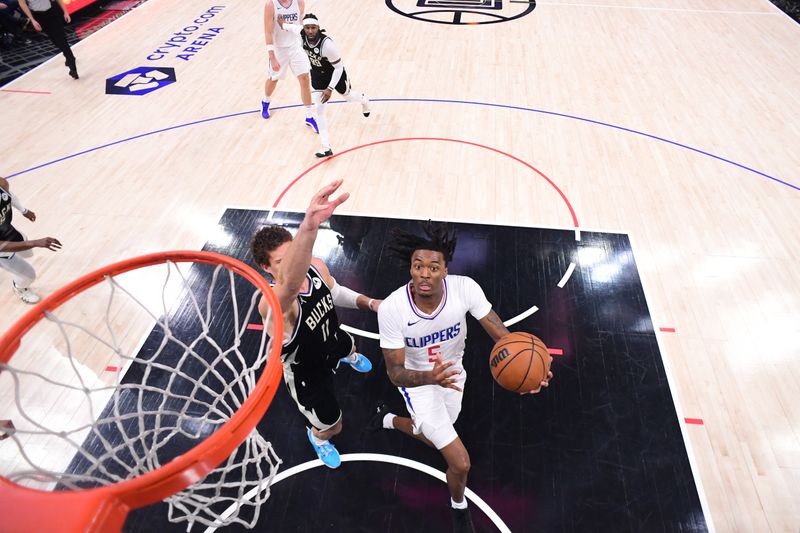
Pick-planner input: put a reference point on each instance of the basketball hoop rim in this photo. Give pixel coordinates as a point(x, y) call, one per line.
point(193, 465)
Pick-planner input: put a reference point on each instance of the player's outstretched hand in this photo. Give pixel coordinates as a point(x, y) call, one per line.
point(322, 205)
point(543, 385)
point(48, 242)
point(30, 215)
point(445, 376)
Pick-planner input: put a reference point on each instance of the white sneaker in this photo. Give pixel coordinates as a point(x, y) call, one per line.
point(365, 106)
point(26, 295)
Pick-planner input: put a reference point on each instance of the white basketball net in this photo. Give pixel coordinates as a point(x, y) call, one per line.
point(93, 403)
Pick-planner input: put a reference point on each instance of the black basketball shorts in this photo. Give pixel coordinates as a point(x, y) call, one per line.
point(311, 384)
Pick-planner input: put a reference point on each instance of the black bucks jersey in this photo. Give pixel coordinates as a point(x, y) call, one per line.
point(7, 231)
point(316, 339)
point(321, 67)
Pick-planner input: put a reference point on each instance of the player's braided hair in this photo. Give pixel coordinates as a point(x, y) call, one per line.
point(439, 237)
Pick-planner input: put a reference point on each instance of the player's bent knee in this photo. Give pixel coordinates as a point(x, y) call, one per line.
point(440, 436)
point(459, 467)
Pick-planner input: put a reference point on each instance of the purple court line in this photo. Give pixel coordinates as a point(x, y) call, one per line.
point(434, 100)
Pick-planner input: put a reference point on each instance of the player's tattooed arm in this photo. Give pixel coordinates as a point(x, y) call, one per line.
point(494, 326)
point(401, 376)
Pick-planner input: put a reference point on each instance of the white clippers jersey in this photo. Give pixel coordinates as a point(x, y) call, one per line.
point(291, 15)
point(442, 333)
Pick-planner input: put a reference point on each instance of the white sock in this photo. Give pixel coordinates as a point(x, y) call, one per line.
point(309, 112)
point(318, 442)
point(461, 505)
point(265, 99)
point(388, 420)
point(354, 97)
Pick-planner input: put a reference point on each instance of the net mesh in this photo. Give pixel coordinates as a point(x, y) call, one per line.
point(134, 372)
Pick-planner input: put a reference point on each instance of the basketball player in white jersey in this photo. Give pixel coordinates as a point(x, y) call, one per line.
point(327, 74)
point(314, 343)
point(423, 330)
point(286, 52)
point(14, 247)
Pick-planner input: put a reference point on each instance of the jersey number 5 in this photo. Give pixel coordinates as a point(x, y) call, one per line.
point(434, 353)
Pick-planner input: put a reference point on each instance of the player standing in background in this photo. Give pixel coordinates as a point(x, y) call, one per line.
point(14, 247)
point(314, 343)
point(327, 74)
point(286, 51)
point(423, 330)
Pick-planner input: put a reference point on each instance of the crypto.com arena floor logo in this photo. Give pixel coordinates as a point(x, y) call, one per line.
point(141, 80)
point(462, 11)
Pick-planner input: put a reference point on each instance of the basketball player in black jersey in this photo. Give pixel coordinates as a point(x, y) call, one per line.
point(14, 247)
point(314, 343)
point(327, 74)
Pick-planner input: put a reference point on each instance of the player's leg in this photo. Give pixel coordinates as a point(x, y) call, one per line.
point(312, 392)
point(346, 352)
point(322, 125)
point(272, 79)
point(22, 276)
point(348, 93)
point(301, 67)
point(305, 95)
point(458, 465)
point(429, 421)
point(406, 425)
point(269, 88)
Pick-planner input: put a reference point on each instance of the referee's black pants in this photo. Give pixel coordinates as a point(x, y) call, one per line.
point(52, 22)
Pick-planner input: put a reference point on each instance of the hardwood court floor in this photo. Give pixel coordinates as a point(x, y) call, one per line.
point(674, 123)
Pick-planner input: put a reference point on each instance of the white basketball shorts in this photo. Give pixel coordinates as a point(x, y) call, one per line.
point(290, 57)
point(434, 410)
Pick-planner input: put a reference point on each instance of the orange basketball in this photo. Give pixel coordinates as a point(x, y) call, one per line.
point(519, 362)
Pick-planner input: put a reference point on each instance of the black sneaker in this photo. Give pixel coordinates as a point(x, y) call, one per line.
point(73, 68)
point(462, 521)
point(378, 413)
point(324, 153)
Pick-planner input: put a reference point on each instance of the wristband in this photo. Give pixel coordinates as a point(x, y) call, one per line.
point(369, 304)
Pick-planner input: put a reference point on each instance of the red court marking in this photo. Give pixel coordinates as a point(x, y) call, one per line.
point(697, 421)
point(667, 330)
point(23, 92)
point(555, 351)
point(112, 368)
point(257, 327)
point(353, 149)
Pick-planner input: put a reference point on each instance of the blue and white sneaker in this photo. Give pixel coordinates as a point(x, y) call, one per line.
point(361, 364)
point(311, 123)
point(327, 453)
point(264, 109)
